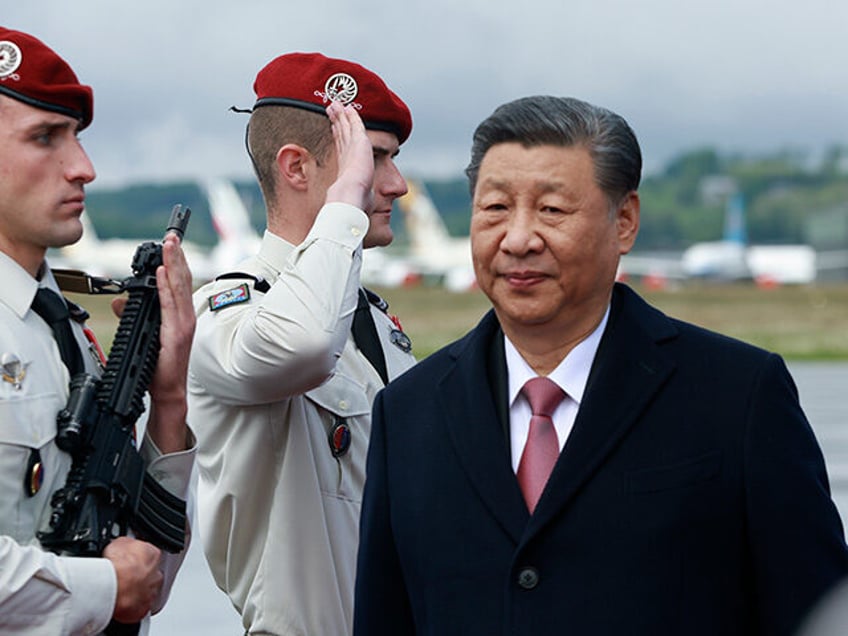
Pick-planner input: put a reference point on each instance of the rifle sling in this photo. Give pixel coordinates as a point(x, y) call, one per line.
point(78, 282)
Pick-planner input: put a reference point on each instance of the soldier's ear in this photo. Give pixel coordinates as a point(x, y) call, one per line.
point(293, 166)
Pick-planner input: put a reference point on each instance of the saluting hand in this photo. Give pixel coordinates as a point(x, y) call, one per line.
point(355, 158)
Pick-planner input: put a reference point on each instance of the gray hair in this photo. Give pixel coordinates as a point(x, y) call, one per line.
point(564, 121)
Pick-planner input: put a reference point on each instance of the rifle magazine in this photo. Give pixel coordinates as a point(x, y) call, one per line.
point(161, 516)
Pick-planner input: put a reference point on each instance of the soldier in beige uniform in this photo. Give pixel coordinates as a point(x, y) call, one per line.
point(43, 173)
point(280, 388)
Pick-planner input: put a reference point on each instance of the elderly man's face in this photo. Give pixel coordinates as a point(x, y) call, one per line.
point(544, 241)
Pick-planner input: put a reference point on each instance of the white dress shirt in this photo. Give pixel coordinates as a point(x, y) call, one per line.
point(570, 375)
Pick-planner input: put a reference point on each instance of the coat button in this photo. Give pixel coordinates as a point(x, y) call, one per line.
point(528, 578)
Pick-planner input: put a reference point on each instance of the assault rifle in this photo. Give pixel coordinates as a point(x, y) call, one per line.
point(108, 490)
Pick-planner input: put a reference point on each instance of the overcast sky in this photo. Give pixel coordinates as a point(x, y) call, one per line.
point(741, 75)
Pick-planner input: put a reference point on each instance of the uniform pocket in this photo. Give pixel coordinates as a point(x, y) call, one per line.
point(342, 396)
point(29, 420)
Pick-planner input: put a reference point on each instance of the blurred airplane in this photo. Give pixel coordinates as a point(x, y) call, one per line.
point(111, 258)
point(237, 239)
point(433, 252)
point(730, 259)
point(725, 259)
point(385, 267)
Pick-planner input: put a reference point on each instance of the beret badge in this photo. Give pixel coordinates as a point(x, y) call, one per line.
point(10, 58)
point(341, 87)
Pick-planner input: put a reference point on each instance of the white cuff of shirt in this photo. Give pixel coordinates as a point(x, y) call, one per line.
point(173, 471)
point(94, 586)
point(340, 222)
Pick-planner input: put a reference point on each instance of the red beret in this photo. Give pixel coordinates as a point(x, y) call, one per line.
point(33, 73)
point(312, 81)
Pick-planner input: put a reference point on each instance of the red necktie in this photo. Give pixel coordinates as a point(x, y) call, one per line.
point(542, 448)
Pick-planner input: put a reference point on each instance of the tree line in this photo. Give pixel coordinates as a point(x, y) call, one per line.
point(681, 204)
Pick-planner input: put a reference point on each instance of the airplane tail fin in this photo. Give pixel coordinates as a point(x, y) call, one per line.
point(424, 224)
point(735, 230)
point(236, 236)
point(230, 217)
point(89, 241)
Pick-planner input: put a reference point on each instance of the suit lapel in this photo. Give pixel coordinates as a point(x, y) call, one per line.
point(628, 370)
point(475, 428)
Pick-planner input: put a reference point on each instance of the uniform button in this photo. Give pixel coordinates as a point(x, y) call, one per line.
point(528, 578)
point(355, 231)
point(343, 405)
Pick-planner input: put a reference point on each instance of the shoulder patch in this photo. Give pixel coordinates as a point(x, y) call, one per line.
point(234, 296)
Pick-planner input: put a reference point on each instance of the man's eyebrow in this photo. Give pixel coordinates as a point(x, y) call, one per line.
point(387, 152)
point(46, 125)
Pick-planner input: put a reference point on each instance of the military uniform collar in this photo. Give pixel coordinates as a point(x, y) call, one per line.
point(275, 251)
point(19, 287)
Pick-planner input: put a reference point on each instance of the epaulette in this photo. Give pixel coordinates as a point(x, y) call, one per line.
point(259, 283)
point(378, 301)
point(78, 314)
point(397, 335)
